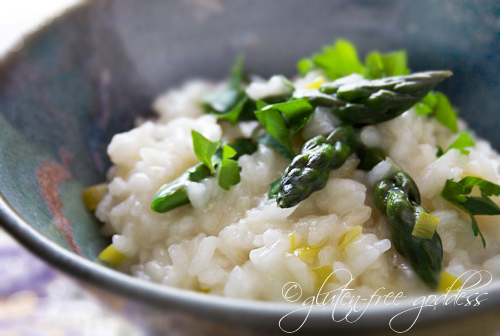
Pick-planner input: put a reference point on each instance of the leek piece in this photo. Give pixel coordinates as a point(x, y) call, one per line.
point(112, 256)
point(322, 274)
point(449, 282)
point(426, 225)
point(350, 236)
point(93, 195)
point(315, 84)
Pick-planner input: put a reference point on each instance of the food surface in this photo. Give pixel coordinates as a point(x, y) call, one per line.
point(354, 168)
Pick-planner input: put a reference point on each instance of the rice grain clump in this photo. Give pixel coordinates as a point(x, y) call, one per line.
point(239, 243)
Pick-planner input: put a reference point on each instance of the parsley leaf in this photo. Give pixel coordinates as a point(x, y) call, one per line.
point(305, 65)
point(282, 120)
point(463, 141)
point(229, 174)
point(275, 125)
point(380, 65)
point(341, 59)
point(337, 60)
point(297, 113)
point(205, 149)
point(269, 141)
point(456, 193)
point(229, 101)
point(437, 104)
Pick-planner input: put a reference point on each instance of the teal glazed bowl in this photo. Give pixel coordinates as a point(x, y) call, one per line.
point(94, 70)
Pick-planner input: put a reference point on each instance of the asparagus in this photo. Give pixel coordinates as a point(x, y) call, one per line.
point(366, 102)
point(174, 194)
point(398, 197)
point(309, 171)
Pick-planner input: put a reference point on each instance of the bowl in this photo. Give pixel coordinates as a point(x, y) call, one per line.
point(91, 72)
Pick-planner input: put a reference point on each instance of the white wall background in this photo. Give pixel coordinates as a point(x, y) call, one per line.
point(20, 17)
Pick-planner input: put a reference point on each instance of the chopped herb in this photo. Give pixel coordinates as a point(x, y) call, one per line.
point(437, 104)
point(456, 193)
point(228, 102)
point(297, 113)
point(275, 125)
point(337, 60)
point(463, 141)
point(271, 142)
point(305, 65)
point(205, 149)
point(283, 120)
point(229, 174)
point(386, 65)
point(174, 194)
point(234, 113)
point(341, 59)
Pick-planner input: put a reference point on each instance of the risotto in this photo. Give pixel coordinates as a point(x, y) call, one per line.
point(189, 205)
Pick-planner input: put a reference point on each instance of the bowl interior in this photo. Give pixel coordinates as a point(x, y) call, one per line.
point(89, 74)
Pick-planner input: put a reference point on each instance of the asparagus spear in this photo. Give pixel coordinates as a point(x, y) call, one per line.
point(174, 194)
point(309, 171)
point(398, 197)
point(373, 101)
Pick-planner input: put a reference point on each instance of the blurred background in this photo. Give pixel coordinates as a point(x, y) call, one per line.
point(34, 298)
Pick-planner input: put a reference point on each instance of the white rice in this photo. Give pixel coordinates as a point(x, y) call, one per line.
point(237, 243)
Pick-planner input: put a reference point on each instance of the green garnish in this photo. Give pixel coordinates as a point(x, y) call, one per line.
point(438, 105)
point(205, 149)
point(463, 141)
point(229, 102)
point(426, 225)
point(282, 120)
point(337, 60)
point(456, 193)
point(271, 142)
point(275, 124)
point(341, 59)
point(380, 65)
point(174, 194)
point(229, 174)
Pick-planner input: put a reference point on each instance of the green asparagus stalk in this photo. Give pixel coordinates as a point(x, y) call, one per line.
point(309, 171)
point(398, 198)
point(174, 194)
point(373, 101)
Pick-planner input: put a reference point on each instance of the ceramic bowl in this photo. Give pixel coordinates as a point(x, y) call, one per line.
point(91, 72)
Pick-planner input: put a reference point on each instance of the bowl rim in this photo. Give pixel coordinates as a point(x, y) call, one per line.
point(202, 305)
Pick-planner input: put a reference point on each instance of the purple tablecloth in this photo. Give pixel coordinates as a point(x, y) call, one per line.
point(37, 300)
